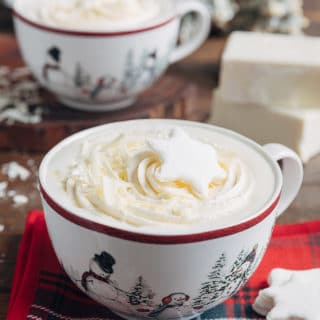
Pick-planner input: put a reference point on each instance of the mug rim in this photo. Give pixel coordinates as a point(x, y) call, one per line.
point(91, 33)
point(154, 237)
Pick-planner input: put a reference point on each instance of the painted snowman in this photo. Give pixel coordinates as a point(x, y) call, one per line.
point(97, 281)
point(52, 71)
point(100, 287)
point(173, 306)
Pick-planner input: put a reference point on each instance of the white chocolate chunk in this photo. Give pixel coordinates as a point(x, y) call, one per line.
point(3, 187)
point(271, 70)
point(20, 199)
point(17, 115)
point(11, 193)
point(14, 170)
point(297, 129)
point(291, 295)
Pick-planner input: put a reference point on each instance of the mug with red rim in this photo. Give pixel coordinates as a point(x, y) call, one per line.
point(158, 275)
point(103, 70)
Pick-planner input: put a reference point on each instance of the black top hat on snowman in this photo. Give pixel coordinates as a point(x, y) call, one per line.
point(105, 261)
point(153, 54)
point(55, 53)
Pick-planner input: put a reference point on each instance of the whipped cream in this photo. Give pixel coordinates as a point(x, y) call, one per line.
point(98, 14)
point(157, 179)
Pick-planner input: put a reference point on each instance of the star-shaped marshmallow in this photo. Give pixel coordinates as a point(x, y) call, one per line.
point(188, 160)
point(291, 295)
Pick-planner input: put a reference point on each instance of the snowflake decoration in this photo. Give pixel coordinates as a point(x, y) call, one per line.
point(291, 295)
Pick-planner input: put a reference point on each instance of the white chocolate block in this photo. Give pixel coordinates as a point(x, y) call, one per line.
point(271, 70)
point(298, 129)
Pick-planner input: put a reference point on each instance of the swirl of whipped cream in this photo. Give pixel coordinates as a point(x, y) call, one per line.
point(97, 14)
point(121, 179)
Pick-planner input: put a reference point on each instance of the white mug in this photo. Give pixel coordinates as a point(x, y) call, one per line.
point(101, 71)
point(154, 276)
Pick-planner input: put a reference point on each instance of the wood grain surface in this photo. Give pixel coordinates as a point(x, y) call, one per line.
point(171, 97)
point(201, 69)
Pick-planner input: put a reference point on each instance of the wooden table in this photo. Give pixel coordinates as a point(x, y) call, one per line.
point(202, 68)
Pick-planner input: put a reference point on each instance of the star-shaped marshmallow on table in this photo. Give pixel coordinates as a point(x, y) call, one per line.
point(291, 295)
point(189, 160)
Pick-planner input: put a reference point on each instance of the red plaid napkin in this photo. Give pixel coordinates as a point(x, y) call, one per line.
point(42, 291)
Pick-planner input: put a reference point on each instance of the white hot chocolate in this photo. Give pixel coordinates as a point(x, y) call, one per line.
point(165, 179)
point(93, 15)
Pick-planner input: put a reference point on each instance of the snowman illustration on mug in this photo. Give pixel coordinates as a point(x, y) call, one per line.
point(98, 284)
point(173, 306)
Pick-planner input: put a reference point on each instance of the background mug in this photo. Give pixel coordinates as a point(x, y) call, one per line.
point(100, 70)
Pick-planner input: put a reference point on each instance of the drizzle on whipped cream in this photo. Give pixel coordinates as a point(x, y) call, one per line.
point(157, 180)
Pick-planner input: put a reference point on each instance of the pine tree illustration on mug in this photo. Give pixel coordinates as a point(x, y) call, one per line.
point(139, 69)
point(222, 282)
point(141, 293)
point(212, 289)
point(131, 73)
point(81, 77)
point(236, 277)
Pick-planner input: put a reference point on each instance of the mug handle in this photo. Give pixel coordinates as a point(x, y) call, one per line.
point(202, 32)
point(292, 172)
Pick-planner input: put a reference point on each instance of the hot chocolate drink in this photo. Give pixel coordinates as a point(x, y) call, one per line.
point(96, 14)
point(172, 178)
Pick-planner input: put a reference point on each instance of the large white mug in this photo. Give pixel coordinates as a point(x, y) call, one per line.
point(141, 275)
point(101, 70)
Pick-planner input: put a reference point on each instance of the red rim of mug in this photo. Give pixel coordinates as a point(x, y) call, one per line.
point(156, 239)
point(90, 33)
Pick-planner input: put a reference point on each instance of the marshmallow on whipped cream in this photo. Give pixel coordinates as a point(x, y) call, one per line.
point(188, 160)
point(159, 179)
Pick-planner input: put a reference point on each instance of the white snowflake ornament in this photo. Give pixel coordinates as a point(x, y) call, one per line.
point(187, 159)
point(292, 295)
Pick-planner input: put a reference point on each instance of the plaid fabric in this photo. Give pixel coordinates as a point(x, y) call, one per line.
point(42, 291)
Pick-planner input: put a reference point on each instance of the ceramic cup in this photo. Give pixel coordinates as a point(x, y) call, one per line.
point(101, 71)
point(154, 276)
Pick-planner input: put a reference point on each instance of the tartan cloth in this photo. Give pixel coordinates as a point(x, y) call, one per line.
point(42, 291)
